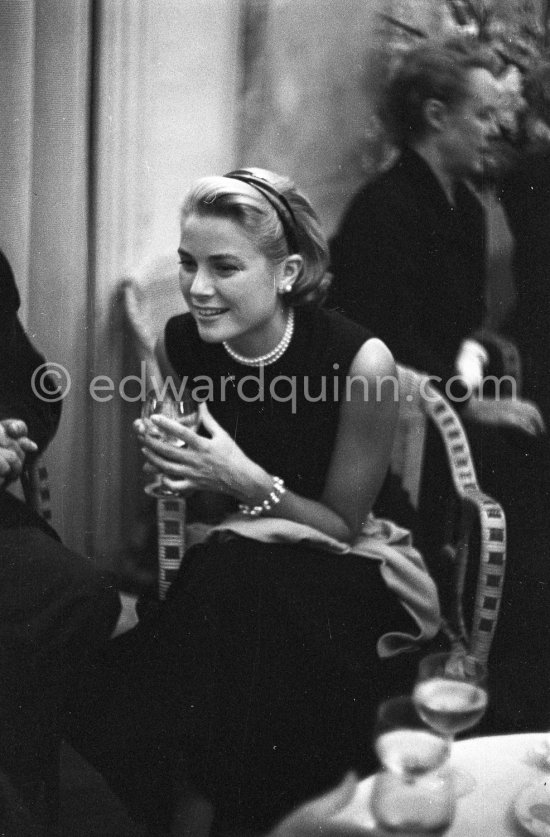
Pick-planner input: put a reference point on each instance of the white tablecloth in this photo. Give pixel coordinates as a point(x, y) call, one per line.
point(502, 765)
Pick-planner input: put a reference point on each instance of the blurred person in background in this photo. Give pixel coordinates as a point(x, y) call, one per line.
point(409, 261)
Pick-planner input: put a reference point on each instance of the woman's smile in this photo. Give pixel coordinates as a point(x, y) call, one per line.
point(207, 313)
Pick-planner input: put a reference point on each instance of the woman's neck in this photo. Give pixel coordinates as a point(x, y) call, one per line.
point(261, 349)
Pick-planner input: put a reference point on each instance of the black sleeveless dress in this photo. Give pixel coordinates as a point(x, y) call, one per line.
point(263, 665)
point(283, 666)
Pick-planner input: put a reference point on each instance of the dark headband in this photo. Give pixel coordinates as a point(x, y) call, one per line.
point(278, 201)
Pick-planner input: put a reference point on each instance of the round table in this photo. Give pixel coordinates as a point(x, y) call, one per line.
point(502, 765)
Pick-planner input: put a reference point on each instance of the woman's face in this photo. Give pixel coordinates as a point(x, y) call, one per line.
point(232, 290)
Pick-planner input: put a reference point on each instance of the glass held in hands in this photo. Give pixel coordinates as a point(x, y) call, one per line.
point(413, 794)
point(182, 409)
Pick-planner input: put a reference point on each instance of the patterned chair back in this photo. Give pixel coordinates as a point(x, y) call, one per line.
point(36, 488)
point(420, 404)
point(149, 298)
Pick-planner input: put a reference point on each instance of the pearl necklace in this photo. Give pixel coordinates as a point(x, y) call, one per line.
point(273, 355)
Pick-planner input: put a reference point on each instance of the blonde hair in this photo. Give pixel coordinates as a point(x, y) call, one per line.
point(267, 225)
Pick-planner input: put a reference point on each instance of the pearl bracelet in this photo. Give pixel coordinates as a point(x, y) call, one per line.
point(266, 505)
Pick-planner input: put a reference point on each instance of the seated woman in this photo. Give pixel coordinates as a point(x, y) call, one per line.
point(279, 636)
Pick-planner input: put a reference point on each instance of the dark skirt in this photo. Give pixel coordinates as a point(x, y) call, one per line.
point(262, 666)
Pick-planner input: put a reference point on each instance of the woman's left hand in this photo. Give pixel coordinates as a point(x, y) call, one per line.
point(214, 463)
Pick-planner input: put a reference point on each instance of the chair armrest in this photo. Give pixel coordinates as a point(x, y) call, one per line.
point(490, 572)
point(475, 505)
point(171, 514)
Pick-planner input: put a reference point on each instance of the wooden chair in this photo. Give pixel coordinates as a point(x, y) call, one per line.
point(421, 405)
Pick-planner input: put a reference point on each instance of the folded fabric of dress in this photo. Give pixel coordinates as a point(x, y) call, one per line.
point(401, 565)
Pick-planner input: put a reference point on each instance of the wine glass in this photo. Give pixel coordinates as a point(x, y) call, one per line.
point(182, 409)
point(451, 696)
point(412, 794)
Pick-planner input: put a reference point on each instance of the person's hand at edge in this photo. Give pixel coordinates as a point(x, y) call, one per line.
point(506, 412)
point(15, 445)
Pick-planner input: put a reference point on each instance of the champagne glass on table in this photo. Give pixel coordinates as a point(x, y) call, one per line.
point(451, 696)
point(412, 795)
point(181, 408)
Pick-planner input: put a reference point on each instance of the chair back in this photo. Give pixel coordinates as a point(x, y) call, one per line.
point(36, 488)
point(149, 298)
point(421, 405)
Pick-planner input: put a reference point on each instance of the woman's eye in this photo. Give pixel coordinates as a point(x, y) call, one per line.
point(226, 269)
point(187, 265)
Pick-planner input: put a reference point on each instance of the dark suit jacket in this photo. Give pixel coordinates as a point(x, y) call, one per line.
point(18, 360)
point(410, 266)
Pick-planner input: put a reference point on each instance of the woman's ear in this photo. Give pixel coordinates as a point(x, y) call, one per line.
point(292, 268)
point(435, 112)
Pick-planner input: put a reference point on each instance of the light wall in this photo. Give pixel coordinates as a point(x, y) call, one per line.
point(307, 102)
